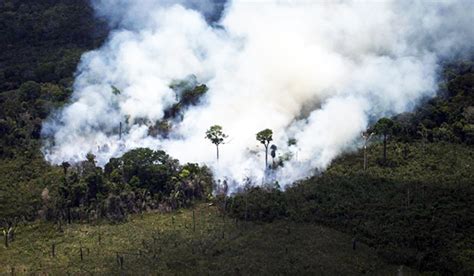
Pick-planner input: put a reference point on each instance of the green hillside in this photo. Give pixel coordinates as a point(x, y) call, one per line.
point(413, 208)
point(173, 243)
point(419, 211)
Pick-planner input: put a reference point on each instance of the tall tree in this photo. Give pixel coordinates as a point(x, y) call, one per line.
point(216, 136)
point(385, 128)
point(265, 137)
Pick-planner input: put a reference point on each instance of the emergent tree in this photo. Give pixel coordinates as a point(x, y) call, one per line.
point(216, 136)
point(265, 137)
point(385, 128)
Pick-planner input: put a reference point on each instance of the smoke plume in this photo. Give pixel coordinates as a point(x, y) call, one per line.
point(315, 71)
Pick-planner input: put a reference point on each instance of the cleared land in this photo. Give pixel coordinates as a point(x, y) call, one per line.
point(171, 244)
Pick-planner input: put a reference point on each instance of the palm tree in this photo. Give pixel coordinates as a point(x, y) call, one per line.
point(265, 137)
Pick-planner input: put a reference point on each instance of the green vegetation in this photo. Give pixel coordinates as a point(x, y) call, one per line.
point(384, 127)
point(449, 116)
point(139, 181)
point(413, 206)
point(418, 211)
point(188, 93)
point(41, 43)
point(189, 241)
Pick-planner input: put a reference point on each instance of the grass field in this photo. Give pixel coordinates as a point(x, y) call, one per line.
point(160, 244)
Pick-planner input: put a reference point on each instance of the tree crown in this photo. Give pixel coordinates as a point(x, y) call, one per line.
point(216, 135)
point(384, 126)
point(265, 136)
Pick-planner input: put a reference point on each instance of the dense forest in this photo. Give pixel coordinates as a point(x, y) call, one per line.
point(413, 203)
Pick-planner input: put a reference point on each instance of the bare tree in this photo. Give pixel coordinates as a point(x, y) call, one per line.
point(366, 135)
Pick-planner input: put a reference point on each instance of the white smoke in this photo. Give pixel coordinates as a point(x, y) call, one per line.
point(314, 71)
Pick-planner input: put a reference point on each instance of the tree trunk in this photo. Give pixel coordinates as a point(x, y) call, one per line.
point(217, 147)
point(365, 158)
point(194, 222)
point(11, 234)
point(6, 238)
point(266, 157)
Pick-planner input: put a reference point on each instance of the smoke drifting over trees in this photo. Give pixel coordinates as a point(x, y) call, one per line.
point(316, 72)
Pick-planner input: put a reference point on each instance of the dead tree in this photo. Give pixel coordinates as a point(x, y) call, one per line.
point(9, 233)
point(366, 136)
